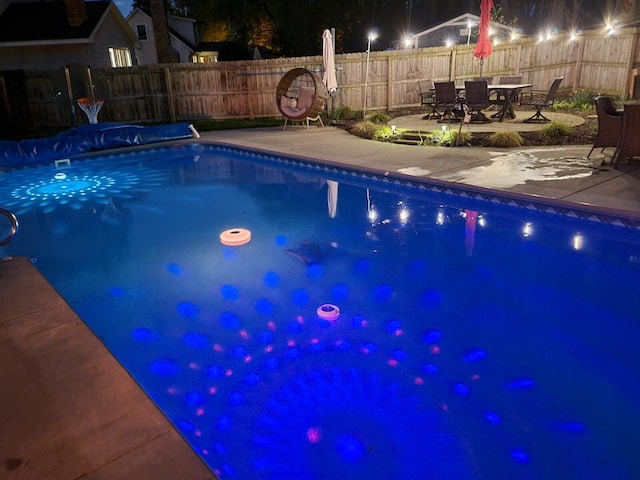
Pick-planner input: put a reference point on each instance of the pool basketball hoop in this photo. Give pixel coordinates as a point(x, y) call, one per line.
point(90, 106)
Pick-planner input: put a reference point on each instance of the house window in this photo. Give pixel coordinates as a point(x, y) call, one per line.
point(142, 32)
point(120, 57)
point(204, 57)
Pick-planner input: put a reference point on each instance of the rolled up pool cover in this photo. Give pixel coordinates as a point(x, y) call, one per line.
point(87, 138)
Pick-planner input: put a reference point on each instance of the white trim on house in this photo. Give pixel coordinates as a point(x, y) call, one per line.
point(460, 21)
point(146, 52)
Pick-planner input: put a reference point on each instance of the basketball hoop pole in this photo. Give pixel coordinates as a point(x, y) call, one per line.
point(92, 92)
point(67, 77)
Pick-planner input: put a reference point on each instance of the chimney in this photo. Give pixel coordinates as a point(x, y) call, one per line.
point(76, 12)
point(166, 53)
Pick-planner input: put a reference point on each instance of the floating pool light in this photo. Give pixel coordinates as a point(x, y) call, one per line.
point(328, 312)
point(60, 176)
point(234, 237)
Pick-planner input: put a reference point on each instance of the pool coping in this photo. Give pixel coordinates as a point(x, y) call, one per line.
point(69, 410)
point(593, 213)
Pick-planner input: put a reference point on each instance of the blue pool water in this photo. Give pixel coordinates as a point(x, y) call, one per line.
point(478, 338)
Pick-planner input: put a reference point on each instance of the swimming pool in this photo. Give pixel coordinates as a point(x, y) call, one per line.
point(479, 336)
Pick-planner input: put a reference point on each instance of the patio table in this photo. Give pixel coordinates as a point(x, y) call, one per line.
point(508, 92)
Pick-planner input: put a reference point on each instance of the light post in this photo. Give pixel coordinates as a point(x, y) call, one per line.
point(370, 38)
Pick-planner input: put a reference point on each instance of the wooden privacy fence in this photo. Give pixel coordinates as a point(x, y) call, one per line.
point(246, 89)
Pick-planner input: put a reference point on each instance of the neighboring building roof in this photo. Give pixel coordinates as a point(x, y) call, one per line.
point(462, 21)
point(47, 21)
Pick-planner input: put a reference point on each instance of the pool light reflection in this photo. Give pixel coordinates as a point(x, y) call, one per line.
point(577, 242)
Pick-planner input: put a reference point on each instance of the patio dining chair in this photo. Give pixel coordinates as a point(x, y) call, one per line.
point(477, 96)
point(427, 98)
point(629, 146)
point(541, 99)
point(609, 125)
point(510, 80)
point(445, 98)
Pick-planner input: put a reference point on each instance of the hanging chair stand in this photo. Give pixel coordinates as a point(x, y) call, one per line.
point(300, 86)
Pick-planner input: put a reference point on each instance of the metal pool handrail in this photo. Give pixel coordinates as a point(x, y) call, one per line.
point(14, 225)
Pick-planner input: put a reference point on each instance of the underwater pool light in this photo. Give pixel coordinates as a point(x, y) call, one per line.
point(77, 186)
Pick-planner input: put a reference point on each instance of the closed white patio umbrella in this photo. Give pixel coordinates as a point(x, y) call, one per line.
point(328, 62)
point(332, 198)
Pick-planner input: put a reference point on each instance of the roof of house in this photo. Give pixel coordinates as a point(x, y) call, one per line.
point(47, 21)
point(462, 20)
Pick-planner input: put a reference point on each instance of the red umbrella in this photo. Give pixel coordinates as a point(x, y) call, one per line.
point(484, 47)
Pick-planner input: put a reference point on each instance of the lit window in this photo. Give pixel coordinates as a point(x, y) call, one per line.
point(120, 57)
point(142, 32)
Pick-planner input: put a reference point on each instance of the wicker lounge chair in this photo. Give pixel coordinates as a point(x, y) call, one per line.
point(301, 96)
point(629, 140)
point(609, 125)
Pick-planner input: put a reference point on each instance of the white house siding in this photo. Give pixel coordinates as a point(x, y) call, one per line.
point(111, 34)
point(181, 48)
point(146, 53)
point(183, 26)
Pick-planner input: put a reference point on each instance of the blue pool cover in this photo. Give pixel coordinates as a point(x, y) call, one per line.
point(87, 138)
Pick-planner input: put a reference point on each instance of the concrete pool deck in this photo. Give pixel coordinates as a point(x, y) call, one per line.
point(69, 410)
point(559, 173)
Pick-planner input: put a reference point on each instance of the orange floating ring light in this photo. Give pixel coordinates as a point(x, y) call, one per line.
point(234, 237)
point(327, 311)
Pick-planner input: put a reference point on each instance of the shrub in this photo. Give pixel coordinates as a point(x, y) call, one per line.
point(505, 139)
point(449, 137)
point(379, 118)
point(384, 133)
point(364, 129)
point(346, 113)
point(583, 100)
point(556, 130)
point(580, 100)
point(465, 137)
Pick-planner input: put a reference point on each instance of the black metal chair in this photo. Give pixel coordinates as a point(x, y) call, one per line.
point(427, 98)
point(609, 125)
point(477, 97)
point(445, 98)
point(541, 99)
point(629, 146)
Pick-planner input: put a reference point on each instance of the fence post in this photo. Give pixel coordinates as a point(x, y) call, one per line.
point(249, 92)
point(389, 85)
point(578, 71)
point(170, 99)
point(630, 72)
point(452, 64)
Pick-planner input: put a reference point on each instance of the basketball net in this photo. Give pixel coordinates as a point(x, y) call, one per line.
point(90, 106)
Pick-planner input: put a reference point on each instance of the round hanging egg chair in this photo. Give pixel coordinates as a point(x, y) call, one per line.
point(301, 96)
